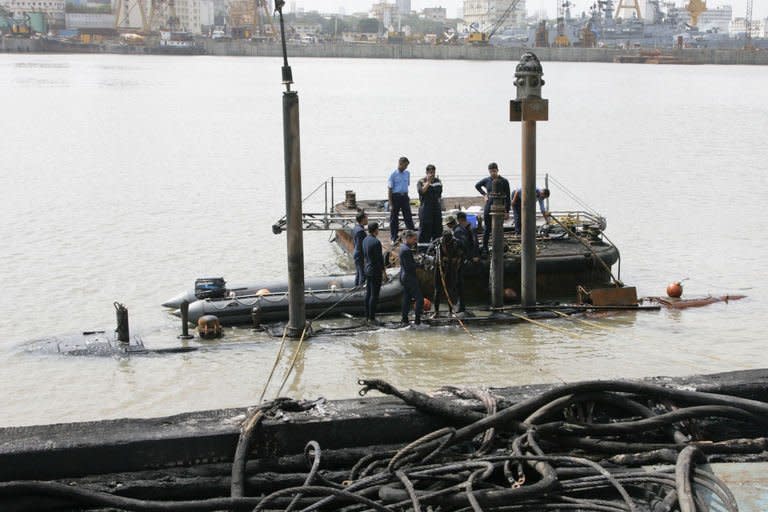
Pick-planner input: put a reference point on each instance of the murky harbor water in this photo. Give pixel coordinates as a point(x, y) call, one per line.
point(125, 178)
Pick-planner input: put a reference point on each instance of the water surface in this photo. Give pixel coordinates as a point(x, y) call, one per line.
point(127, 177)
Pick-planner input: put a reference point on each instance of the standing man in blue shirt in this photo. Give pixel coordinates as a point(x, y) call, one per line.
point(485, 187)
point(398, 184)
point(374, 271)
point(517, 203)
point(411, 289)
point(358, 235)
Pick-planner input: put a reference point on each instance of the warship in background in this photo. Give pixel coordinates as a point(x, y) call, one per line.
point(665, 26)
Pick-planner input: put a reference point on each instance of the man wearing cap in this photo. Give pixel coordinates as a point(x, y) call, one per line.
point(430, 190)
point(408, 279)
point(485, 187)
point(448, 258)
point(467, 240)
point(398, 184)
point(374, 270)
point(466, 236)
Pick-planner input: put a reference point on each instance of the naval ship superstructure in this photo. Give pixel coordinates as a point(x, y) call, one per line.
point(664, 26)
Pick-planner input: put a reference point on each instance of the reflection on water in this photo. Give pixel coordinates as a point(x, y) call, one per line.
point(137, 175)
point(42, 65)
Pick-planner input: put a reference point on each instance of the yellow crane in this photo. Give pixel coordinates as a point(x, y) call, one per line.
point(479, 37)
point(695, 8)
point(251, 19)
point(748, 27)
point(561, 40)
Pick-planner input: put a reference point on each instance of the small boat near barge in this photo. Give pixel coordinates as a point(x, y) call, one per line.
point(256, 304)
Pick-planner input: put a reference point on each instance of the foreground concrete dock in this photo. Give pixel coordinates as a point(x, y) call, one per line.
point(97, 447)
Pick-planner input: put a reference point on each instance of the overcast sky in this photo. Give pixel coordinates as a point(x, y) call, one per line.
point(760, 9)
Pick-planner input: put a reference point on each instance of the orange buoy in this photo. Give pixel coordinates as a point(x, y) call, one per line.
point(675, 290)
point(262, 291)
point(427, 304)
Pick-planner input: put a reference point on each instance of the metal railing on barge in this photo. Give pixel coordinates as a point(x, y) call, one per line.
point(331, 220)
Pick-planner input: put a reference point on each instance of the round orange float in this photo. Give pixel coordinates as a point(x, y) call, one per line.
point(675, 290)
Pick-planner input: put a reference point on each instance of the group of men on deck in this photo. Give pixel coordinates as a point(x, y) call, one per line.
point(454, 246)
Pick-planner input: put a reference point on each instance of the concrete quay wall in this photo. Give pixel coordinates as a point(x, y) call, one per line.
point(20, 45)
point(466, 52)
point(405, 51)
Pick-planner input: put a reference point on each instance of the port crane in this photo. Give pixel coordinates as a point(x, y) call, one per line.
point(251, 19)
point(123, 10)
point(629, 5)
point(479, 37)
point(563, 11)
point(748, 27)
point(695, 8)
point(17, 27)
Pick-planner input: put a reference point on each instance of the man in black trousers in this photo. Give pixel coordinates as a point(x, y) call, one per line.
point(397, 186)
point(410, 282)
point(374, 270)
point(358, 235)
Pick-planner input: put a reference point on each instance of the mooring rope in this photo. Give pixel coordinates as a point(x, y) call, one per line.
point(545, 326)
point(295, 357)
point(580, 320)
point(274, 366)
point(451, 306)
point(616, 282)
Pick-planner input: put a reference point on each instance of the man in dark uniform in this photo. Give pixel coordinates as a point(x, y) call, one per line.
point(358, 235)
point(448, 257)
point(408, 279)
point(374, 270)
point(517, 205)
point(485, 187)
point(430, 190)
point(467, 239)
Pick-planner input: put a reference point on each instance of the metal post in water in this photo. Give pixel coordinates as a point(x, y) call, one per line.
point(184, 307)
point(122, 330)
point(528, 108)
point(496, 277)
point(293, 213)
